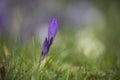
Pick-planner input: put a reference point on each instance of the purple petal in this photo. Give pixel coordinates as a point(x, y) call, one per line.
point(52, 29)
point(45, 47)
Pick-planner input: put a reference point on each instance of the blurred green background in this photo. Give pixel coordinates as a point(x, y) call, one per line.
point(87, 46)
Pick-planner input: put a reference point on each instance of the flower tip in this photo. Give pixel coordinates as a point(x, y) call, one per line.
point(55, 22)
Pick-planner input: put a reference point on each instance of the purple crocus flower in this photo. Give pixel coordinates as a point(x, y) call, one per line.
point(52, 31)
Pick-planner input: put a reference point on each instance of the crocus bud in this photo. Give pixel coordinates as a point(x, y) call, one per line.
point(52, 31)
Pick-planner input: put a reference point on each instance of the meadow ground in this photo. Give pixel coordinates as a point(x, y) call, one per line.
point(63, 62)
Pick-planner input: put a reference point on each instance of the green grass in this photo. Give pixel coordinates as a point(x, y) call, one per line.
point(62, 63)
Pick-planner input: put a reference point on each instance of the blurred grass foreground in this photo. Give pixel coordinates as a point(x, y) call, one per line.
point(86, 47)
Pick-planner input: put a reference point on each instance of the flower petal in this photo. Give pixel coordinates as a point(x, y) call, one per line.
point(52, 29)
point(45, 47)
